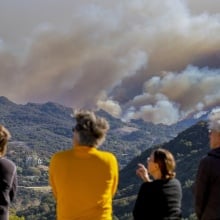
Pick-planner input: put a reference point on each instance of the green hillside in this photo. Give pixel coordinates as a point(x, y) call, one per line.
point(47, 128)
point(188, 148)
point(39, 130)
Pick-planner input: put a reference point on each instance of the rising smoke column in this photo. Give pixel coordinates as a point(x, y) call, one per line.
point(135, 59)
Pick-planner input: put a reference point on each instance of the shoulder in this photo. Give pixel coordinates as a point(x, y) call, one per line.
point(173, 186)
point(7, 165)
point(207, 161)
point(7, 162)
point(153, 187)
point(106, 154)
point(152, 184)
point(170, 185)
point(175, 183)
point(107, 158)
point(60, 155)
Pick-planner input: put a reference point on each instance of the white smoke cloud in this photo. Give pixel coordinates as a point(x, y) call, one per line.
point(172, 96)
point(111, 107)
point(155, 60)
point(162, 112)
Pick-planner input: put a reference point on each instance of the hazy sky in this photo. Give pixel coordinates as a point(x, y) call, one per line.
point(150, 59)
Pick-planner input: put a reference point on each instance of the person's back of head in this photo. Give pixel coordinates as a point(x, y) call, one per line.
point(214, 120)
point(4, 137)
point(214, 128)
point(91, 129)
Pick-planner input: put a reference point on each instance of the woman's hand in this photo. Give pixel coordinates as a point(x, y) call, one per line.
point(142, 172)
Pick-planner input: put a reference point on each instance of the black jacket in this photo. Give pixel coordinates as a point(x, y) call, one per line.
point(159, 200)
point(207, 187)
point(8, 186)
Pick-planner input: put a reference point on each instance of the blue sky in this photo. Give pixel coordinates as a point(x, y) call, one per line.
point(150, 59)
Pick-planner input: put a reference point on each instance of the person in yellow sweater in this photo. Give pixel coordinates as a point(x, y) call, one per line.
point(84, 179)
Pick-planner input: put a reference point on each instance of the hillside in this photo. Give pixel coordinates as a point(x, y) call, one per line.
point(39, 130)
point(188, 148)
point(47, 128)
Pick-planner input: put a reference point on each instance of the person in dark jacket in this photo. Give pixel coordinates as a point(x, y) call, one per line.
point(160, 198)
point(207, 183)
point(8, 176)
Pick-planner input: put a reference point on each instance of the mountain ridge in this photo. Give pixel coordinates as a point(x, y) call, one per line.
point(41, 129)
point(38, 124)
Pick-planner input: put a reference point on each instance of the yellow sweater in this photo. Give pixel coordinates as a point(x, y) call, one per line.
point(84, 181)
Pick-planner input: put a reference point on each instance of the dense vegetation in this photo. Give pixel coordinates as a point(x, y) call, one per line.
point(188, 148)
point(39, 130)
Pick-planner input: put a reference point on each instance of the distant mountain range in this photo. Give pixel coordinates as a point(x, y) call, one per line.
point(46, 128)
point(39, 130)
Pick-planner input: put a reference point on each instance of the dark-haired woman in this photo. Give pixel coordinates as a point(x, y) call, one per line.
point(8, 176)
point(160, 198)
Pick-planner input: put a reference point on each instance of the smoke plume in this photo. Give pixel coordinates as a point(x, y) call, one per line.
point(155, 60)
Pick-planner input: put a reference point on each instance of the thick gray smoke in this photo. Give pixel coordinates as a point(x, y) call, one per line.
point(150, 59)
